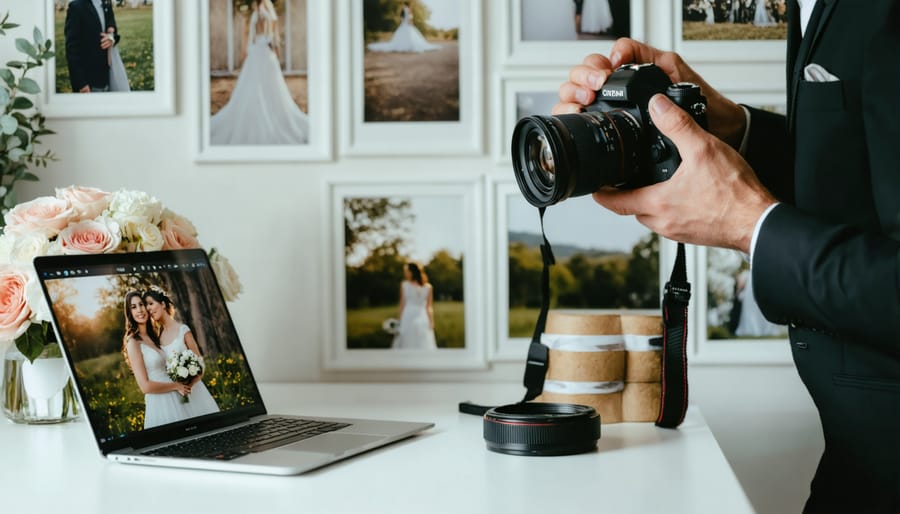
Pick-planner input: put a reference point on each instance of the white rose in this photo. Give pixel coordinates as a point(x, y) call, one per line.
point(25, 247)
point(7, 241)
point(135, 206)
point(34, 295)
point(86, 202)
point(143, 237)
point(179, 220)
point(182, 372)
point(193, 369)
point(90, 236)
point(226, 276)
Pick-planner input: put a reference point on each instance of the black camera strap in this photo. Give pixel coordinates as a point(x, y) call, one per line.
point(676, 297)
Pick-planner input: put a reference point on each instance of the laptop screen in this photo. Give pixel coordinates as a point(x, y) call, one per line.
point(150, 341)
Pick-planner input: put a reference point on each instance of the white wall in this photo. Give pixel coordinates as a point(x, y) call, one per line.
point(266, 218)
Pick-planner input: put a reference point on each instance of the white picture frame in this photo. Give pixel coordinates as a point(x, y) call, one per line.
point(728, 350)
point(724, 51)
point(158, 102)
point(507, 347)
point(519, 52)
point(510, 87)
point(319, 146)
point(461, 227)
point(464, 136)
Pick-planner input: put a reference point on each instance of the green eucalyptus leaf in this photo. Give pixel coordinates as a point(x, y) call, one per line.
point(16, 64)
point(25, 46)
point(8, 124)
point(16, 154)
point(4, 97)
point(14, 142)
point(38, 37)
point(9, 200)
point(29, 86)
point(31, 177)
point(8, 77)
point(20, 102)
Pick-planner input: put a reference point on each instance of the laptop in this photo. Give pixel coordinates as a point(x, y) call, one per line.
point(136, 411)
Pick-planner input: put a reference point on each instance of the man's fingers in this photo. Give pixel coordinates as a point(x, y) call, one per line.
point(623, 202)
point(566, 108)
point(573, 93)
point(674, 122)
point(588, 77)
point(598, 62)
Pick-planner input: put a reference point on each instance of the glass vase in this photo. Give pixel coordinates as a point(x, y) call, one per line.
point(39, 392)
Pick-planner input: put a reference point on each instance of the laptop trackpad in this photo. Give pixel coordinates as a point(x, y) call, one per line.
point(335, 444)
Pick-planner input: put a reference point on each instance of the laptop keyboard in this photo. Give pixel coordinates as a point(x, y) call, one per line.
point(262, 435)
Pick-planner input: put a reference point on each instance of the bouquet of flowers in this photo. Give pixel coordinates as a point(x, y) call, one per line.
point(82, 220)
point(391, 326)
point(183, 367)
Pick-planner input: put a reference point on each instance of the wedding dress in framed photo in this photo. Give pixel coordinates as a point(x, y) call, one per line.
point(406, 38)
point(261, 110)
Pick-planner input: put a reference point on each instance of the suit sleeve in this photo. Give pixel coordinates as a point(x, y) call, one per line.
point(839, 278)
point(111, 22)
point(74, 55)
point(769, 153)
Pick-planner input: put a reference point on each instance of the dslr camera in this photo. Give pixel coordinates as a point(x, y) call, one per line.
point(612, 143)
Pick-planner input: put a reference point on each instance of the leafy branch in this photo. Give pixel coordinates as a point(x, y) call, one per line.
point(21, 125)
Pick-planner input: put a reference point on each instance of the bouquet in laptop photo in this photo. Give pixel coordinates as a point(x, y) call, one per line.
point(183, 367)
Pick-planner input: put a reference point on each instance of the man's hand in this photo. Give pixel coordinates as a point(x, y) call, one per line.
point(85, 89)
point(713, 199)
point(726, 119)
point(107, 39)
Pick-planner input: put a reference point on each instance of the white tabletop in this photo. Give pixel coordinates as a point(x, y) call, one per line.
point(638, 468)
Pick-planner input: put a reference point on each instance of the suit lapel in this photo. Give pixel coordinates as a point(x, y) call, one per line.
point(94, 16)
point(798, 62)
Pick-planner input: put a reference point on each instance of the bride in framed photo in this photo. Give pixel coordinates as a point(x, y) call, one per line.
point(261, 110)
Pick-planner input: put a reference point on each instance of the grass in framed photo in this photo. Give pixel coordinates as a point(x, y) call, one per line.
point(564, 31)
point(413, 77)
point(261, 79)
point(406, 41)
point(731, 30)
point(113, 59)
point(603, 262)
point(405, 292)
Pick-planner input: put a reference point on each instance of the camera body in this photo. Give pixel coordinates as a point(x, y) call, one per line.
point(612, 143)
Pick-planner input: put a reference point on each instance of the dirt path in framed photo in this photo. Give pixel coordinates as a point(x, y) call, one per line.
point(409, 86)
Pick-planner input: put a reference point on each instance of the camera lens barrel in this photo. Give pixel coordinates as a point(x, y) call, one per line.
point(541, 429)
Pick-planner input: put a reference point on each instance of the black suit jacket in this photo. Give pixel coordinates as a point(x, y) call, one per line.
point(827, 260)
point(88, 63)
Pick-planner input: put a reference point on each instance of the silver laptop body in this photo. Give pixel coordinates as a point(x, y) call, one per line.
point(86, 295)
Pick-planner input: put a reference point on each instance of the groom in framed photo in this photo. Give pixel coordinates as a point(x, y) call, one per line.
point(90, 32)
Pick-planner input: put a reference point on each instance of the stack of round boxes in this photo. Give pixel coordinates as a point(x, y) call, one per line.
point(605, 361)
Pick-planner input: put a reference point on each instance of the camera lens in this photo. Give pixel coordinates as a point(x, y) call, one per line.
point(557, 157)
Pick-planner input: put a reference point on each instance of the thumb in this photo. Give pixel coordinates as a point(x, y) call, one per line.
point(673, 121)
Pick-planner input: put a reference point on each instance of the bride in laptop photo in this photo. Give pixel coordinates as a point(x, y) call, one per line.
point(152, 335)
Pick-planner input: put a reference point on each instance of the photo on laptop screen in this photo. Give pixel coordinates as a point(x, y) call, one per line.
point(125, 325)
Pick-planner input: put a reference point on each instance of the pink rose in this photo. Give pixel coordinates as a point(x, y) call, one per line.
point(14, 309)
point(176, 236)
point(86, 202)
point(90, 236)
point(44, 214)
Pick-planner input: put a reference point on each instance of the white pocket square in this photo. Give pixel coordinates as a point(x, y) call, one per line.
point(815, 73)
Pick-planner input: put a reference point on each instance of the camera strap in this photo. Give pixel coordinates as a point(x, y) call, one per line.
point(676, 297)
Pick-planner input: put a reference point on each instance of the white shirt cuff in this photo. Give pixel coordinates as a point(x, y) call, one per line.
point(755, 236)
point(743, 148)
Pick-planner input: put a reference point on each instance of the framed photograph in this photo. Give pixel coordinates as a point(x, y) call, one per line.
point(603, 262)
point(411, 81)
point(730, 329)
point(265, 75)
point(128, 56)
point(553, 32)
point(406, 275)
point(521, 94)
point(731, 30)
